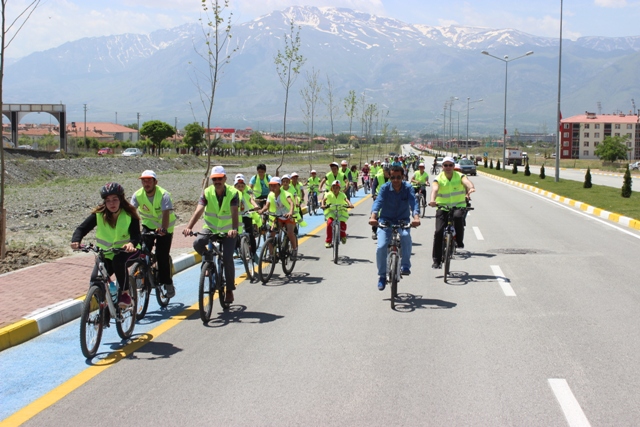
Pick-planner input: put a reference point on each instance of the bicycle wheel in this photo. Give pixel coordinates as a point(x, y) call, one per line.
point(288, 260)
point(336, 240)
point(91, 322)
point(314, 204)
point(423, 205)
point(266, 267)
point(448, 248)
point(205, 291)
point(393, 276)
point(247, 258)
point(161, 295)
point(220, 286)
point(138, 281)
point(126, 319)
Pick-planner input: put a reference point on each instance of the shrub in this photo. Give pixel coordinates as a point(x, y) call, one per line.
point(542, 175)
point(485, 162)
point(527, 171)
point(626, 186)
point(514, 169)
point(498, 165)
point(587, 178)
point(491, 164)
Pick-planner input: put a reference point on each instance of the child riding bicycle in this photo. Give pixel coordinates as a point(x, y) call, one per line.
point(333, 198)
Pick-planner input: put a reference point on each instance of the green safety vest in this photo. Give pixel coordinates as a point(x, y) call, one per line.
point(151, 215)
point(218, 218)
point(108, 237)
point(421, 177)
point(331, 177)
point(245, 205)
point(381, 179)
point(451, 192)
point(332, 199)
point(257, 187)
point(283, 198)
point(313, 184)
point(347, 174)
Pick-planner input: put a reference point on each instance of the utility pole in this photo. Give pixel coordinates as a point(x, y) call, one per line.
point(85, 125)
point(116, 117)
point(138, 126)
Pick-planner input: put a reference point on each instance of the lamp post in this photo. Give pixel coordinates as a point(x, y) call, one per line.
point(467, 142)
point(558, 125)
point(506, 61)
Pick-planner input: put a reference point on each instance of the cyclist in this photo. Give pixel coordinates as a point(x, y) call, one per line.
point(365, 171)
point(396, 202)
point(354, 176)
point(157, 215)
point(247, 203)
point(348, 178)
point(335, 174)
point(281, 203)
point(313, 183)
point(420, 179)
point(450, 188)
point(220, 204)
point(299, 192)
point(260, 184)
point(286, 186)
point(378, 181)
point(118, 226)
point(336, 197)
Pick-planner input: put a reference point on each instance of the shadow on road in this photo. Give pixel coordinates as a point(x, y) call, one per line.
point(462, 278)
point(161, 313)
point(461, 254)
point(282, 280)
point(239, 314)
point(407, 303)
point(155, 350)
point(345, 260)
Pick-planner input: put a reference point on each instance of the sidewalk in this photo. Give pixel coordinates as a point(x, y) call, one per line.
point(37, 299)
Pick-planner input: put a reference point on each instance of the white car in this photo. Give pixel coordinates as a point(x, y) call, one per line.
point(634, 166)
point(132, 152)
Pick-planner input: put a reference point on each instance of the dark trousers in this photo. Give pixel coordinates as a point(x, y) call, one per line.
point(441, 223)
point(163, 249)
point(247, 224)
point(117, 265)
point(228, 246)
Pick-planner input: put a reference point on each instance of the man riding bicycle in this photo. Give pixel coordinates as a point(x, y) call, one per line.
point(396, 202)
point(219, 202)
point(420, 180)
point(451, 189)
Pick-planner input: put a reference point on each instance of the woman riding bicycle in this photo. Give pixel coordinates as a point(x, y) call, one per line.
point(333, 198)
point(280, 203)
point(118, 226)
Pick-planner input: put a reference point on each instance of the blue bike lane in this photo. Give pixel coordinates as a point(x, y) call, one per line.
point(53, 361)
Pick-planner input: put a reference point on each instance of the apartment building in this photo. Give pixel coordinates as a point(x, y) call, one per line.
point(581, 134)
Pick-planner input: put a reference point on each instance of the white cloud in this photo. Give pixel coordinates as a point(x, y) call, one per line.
point(611, 3)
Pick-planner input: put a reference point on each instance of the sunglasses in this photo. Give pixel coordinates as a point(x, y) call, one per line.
point(448, 165)
point(395, 177)
point(217, 179)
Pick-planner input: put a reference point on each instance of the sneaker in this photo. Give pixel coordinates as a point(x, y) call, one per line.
point(382, 283)
point(436, 265)
point(460, 245)
point(294, 253)
point(328, 245)
point(343, 240)
point(228, 296)
point(170, 290)
point(374, 236)
point(405, 272)
point(125, 300)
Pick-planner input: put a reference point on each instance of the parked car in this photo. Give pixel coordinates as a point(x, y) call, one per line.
point(467, 167)
point(634, 166)
point(25, 147)
point(105, 151)
point(132, 152)
point(439, 161)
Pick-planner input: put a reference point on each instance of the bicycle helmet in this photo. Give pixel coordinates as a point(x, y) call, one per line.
point(112, 188)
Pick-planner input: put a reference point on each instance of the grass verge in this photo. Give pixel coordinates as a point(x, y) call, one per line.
point(599, 196)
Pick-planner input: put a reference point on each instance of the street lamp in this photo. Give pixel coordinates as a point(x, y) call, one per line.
point(469, 102)
point(506, 61)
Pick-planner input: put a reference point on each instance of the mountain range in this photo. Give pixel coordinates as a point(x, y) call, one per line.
point(408, 70)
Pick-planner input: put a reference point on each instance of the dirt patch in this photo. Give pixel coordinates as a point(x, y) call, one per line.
point(25, 257)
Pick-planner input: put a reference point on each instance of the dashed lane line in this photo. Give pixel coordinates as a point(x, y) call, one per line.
point(479, 235)
point(503, 281)
point(568, 402)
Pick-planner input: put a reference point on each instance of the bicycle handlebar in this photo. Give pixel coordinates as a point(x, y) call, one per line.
point(401, 224)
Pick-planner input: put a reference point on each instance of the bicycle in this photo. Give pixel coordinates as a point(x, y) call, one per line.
point(335, 228)
point(365, 184)
point(212, 280)
point(422, 200)
point(245, 250)
point(435, 170)
point(276, 248)
point(143, 277)
point(394, 258)
point(449, 244)
point(312, 202)
point(98, 310)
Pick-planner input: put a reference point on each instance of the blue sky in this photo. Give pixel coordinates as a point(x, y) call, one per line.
point(58, 21)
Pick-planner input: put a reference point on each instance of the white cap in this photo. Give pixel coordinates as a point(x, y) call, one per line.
point(239, 177)
point(366, 164)
point(344, 162)
point(275, 180)
point(448, 159)
point(421, 165)
point(218, 172)
point(149, 174)
point(294, 174)
point(336, 182)
point(285, 177)
point(334, 164)
point(314, 171)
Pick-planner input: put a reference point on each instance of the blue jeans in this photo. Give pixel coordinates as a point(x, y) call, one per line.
point(384, 237)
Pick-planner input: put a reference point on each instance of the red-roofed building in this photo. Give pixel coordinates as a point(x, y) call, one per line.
point(107, 130)
point(581, 134)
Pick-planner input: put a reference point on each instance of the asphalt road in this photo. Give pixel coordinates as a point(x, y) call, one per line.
point(539, 326)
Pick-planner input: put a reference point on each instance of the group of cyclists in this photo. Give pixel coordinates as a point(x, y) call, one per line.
point(228, 209)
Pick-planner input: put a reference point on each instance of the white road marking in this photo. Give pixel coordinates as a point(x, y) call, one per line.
point(502, 281)
point(570, 406)
point(479, 235)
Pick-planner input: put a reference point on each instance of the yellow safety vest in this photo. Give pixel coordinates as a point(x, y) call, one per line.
point(451, 192)
point(151, 215)
point(421, 177)
point(257, 187)
point(108, 237)
point(313, 184)
point(332, 199)
point(218, 218)
point(331, 177)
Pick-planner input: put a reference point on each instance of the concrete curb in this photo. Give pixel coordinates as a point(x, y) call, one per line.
point(600, 213)
point(48, 318)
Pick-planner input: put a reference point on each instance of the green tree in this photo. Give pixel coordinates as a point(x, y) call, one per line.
point(193, 135)
point(587, 179)
point(626, 186)
point(542, 175)
point(498, 165)
point(491, 164)
point(612, 149)
point(527, 171)
point(288, 65)
point(514, 168)
point(156, 131)
point(257, 138)
point(132, 126)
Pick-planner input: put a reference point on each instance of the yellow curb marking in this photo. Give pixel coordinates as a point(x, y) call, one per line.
point(18, 333)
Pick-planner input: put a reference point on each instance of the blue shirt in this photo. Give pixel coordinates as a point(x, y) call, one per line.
point(396, 206)
point(265, 187)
